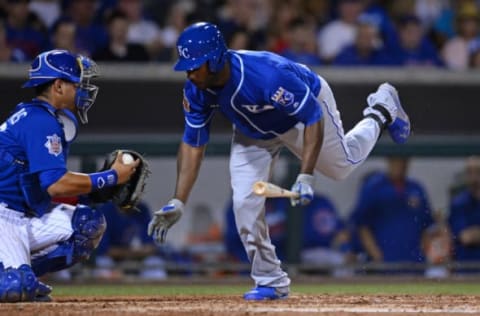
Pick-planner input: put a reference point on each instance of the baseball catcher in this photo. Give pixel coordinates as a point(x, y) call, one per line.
point(39, 235)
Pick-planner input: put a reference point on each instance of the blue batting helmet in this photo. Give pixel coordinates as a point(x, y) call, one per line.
point(61, 64)
point(200, 43)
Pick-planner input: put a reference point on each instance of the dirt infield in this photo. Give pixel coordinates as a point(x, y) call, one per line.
point(215, 305)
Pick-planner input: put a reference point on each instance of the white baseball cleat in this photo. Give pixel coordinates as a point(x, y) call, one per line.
point(387, 102)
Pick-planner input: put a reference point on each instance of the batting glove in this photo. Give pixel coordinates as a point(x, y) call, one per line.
point(303, 186)
point(163, 219)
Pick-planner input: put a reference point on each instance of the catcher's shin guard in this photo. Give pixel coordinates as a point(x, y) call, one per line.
point(88, 227)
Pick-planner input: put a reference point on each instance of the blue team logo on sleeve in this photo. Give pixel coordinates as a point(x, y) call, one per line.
point(283, 97)
point(54, 145)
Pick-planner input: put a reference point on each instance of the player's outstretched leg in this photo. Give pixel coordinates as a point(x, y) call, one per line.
point(261, 293)
point(385, 105)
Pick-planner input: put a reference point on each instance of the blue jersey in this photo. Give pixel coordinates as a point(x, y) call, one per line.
point(33, 154)
point(265, 96)
point(396, 216)
point(464, 213)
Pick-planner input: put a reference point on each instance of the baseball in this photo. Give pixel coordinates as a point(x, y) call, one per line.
point(127, 159)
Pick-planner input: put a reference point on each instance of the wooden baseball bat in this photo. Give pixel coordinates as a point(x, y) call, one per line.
point(271, 190)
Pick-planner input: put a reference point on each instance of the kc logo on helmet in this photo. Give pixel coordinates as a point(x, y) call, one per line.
point(183, 51)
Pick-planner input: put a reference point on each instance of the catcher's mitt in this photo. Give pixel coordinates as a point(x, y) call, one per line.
point(127, 195)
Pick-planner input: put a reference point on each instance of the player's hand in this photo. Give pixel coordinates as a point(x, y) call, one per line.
point(124, 171)
point(163, 219)
point(304, 187)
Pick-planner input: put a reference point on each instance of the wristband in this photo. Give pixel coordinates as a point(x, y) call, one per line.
point(107, 178)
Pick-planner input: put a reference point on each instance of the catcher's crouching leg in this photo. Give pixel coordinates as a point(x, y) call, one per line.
point(88, 227)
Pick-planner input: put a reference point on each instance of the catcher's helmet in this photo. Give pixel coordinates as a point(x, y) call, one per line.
point(200, 43)
point(61, 64)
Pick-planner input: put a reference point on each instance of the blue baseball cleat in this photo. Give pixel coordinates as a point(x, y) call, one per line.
point(261, 293)
point(398, 123)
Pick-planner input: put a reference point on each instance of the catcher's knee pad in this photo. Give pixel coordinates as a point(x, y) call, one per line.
point(88, 227)
point(18, 285)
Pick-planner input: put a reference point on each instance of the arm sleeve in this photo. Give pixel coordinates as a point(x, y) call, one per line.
point(197, 118)
point(43, 140)
point(49, 177)
point(290, 94)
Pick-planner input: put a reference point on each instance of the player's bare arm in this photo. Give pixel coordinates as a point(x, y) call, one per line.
point(75, 183)
point(313, 139)
point(189, 159)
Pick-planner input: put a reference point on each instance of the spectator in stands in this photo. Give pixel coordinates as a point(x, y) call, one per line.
point(63, 35)
point(47, 10)
point(176, 21)
point(301, 48)
point(474, 62)
point(445, 26)
point(366, 51)
point(141, 30)
point(392, 214)
point(464, 218)
point(23, 29)
point(7, 52)
point(340, 33)
point(429, 11)
point(250, 16)
point(376, 14)
point(239, 40)
point(90, 36)
point(118, 49)
point(456, 52)
point(319, 10)
point(125, 239)
point(414, 48)
point(284, 12)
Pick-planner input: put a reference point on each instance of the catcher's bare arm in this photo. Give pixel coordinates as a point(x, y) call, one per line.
point(74, 183)
point(189, 159)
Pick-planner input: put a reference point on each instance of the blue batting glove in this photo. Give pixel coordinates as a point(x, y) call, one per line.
point(163, 219)
point(304, 187)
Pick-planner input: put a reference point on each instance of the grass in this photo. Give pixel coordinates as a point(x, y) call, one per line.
point(218, 289)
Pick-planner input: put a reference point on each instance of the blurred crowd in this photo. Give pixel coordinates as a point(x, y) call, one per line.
point(414, 33)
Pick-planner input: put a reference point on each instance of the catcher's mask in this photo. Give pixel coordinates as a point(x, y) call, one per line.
point(61, 64)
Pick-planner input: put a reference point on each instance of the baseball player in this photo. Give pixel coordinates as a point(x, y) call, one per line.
point(39, 236)
point(272, 102)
